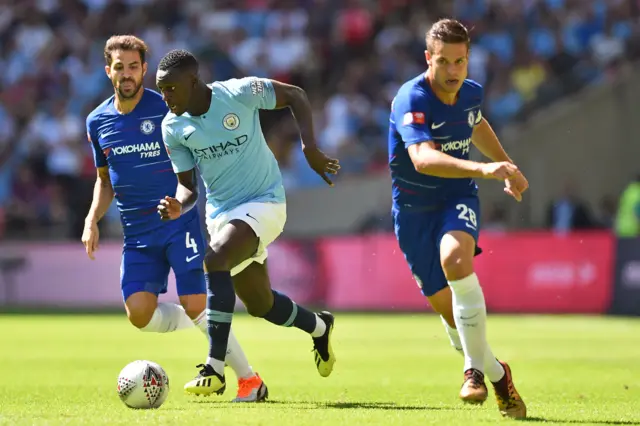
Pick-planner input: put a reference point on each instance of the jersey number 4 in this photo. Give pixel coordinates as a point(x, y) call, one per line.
point(191, 243)
point(468, 215)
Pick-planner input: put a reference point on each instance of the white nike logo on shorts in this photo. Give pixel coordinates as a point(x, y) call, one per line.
point(189, 259)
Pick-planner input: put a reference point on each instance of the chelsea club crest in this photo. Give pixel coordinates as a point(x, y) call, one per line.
point(147, 127)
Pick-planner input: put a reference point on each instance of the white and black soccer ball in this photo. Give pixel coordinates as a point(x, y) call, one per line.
point(143, 384)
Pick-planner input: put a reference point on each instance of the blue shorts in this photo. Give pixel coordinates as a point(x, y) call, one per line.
point(419, 234)
point(146, 261)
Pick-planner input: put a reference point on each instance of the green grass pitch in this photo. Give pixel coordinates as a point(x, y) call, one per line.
point(391, 370)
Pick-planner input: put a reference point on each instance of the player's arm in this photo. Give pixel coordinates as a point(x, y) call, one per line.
point(427, 160)
point(187, 191)
point(487, 142)
point(296, 99)
point(171, 208)
point(272, 94)
point(184, 167)
point(103, 194)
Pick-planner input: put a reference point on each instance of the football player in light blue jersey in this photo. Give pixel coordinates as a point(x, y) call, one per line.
point(216, 129)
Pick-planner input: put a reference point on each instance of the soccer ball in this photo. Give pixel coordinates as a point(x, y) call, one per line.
point(143, 384)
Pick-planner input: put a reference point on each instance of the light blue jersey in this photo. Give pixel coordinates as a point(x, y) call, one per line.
point(227, 145)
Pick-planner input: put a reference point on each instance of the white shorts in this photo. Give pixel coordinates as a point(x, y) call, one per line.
point(266, 219)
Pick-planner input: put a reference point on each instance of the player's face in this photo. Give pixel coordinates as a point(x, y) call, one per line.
point(176, 87)
point(126, 72)
point(448, 65)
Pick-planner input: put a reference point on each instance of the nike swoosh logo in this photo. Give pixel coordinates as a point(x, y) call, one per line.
point(437, 126)
point(468, 318)
point(187, 136)
point(252, 217)
point(189, 259)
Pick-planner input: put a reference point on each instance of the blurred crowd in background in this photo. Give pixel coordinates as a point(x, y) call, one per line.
point(349, 55)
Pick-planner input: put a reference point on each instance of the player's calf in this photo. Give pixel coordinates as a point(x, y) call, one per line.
point(442, 303)
point(457, 249)
point(254, 289)
point(233, 244)
point(286, 313)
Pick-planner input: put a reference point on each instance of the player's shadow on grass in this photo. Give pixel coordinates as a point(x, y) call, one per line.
point(391, 406)
point(353, 405)
point(591, 422)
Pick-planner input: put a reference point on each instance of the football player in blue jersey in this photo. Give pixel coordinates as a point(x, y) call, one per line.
point(133, 166)
point(215, 129)
point(435, 119)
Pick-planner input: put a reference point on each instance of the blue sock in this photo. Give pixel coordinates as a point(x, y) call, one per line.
point(286, 313)
point(221, 300)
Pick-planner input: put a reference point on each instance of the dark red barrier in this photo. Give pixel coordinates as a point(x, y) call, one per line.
point(367, 273)
point(60, 275)
point(519, 272)
point(547, 273)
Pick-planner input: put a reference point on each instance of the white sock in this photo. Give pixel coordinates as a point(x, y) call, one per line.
point(492, 368)
point(168, 317)
point(217, 365)
point(235, 358)
point(454, 337)
point(321, 327)
point(470, 315)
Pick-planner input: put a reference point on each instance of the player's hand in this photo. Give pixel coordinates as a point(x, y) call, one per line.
point(90, 237)
point(516, 185)
point(169, 208)
point(321, 164)
point(500, 171)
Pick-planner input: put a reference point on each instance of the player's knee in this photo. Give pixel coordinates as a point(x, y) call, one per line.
point(193, 304)
point(217, 259)
point(140, 317)
point(140, 307)
point(456, 265)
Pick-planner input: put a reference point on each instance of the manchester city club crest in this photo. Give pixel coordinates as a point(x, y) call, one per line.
point(231, 121)
point(147, 127)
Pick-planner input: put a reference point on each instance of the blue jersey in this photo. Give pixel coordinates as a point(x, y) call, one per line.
point(227, 145)
point(417, 115)
point(139, 167)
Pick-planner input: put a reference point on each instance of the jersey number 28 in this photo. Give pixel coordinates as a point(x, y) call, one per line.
point(467, 215)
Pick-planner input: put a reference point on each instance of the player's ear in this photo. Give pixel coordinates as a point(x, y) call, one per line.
point(145, 67)
point(107, 70)
point(427, 56)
